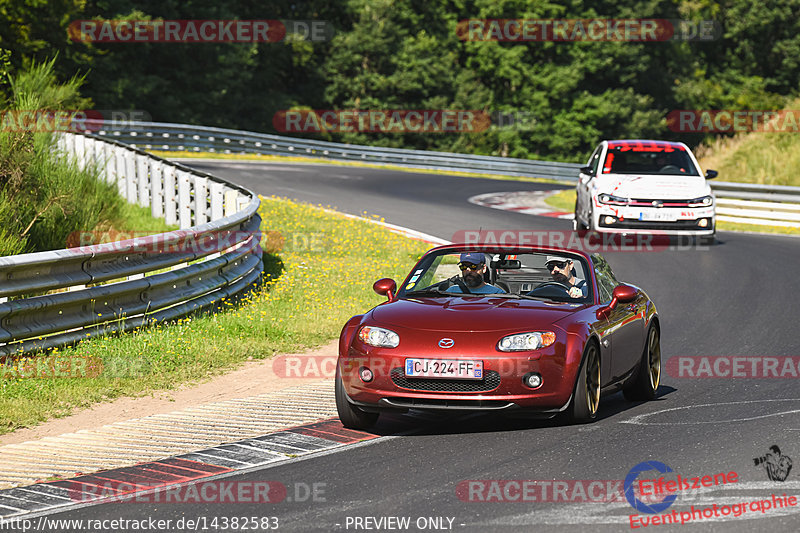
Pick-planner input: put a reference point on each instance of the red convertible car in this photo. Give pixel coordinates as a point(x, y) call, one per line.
point(522, 330)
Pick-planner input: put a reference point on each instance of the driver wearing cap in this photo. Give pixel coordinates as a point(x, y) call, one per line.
point(562, 271)
point(473, 268)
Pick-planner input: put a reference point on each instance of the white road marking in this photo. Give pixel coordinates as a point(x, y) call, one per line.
point(640, 419)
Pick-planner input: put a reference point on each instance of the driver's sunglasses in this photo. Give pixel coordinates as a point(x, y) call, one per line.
point(470, 266)
point(555, 264)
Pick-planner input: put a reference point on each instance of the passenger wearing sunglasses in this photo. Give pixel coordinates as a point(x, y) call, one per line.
point(561, 270)
point(473, 268)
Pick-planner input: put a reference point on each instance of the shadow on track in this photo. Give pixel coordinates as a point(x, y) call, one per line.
point(422, 423)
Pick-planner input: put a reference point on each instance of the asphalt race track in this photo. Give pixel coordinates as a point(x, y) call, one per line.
point(736, 298)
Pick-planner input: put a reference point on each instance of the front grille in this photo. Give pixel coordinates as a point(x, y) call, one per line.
point(654, 225)
point(425, 403)
point(646, 202)
point(490, 381)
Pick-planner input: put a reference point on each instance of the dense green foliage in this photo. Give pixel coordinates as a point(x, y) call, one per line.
point(406, 55)
point(44, 199)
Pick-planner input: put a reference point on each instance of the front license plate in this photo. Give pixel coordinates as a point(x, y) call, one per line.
point(444, 368)
point(662, 216)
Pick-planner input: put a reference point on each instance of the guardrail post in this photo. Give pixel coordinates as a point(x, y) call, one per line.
point(88, 157)
point(130, 176)
point(119, 169)
point(170, 195)
point(157, 189)
point(184, 199)
point(80, 151)
point(109, 165)
point(200, 200)
point(216, 189)
point(230, 202)
point(143, 177)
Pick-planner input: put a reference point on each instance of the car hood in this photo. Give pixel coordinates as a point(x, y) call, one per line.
point(665, 186)
point(471, 313)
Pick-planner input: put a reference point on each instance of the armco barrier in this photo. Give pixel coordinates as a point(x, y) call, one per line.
point(179, 137)
point(127, 284)
point(736, 202)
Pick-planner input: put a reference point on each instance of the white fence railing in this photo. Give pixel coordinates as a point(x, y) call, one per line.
point(57, 297)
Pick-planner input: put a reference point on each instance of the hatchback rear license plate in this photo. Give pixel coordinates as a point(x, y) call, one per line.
point(444, 368)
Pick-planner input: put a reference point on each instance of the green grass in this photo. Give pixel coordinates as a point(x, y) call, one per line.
point(565, 201)
point(321, 276)
point(562, 201)
point(756, 157)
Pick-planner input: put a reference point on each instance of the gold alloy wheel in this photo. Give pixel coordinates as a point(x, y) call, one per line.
point(654, 358)
point(592, 380)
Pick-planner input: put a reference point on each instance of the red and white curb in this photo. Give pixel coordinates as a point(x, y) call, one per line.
point(122, 483)
point(526, 202)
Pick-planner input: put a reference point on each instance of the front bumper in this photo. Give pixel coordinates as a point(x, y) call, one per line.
point(501, 388)
point(664, 220)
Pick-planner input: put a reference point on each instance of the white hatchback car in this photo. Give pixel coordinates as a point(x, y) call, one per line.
point(640, 186)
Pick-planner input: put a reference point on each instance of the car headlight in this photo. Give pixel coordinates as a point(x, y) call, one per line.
point(382, 337)
point(703, 201)
point(611, 199)
point(526, 341)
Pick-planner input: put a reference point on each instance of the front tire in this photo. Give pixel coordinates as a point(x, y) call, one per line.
point(352, 417)
point(590, 222)
point(586, 396)
point(577, 225)
point(648, 376)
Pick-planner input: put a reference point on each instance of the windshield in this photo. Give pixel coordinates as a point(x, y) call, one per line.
point(542, 276)
point(648, 159)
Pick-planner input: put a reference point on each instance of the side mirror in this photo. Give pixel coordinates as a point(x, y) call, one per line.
point(622, 294)
point(711, 174)
point(385, 287)
point(586, 170)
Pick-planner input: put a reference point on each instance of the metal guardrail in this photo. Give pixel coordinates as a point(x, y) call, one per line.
point(736, 202)
point(121, 286)
point(180, 137)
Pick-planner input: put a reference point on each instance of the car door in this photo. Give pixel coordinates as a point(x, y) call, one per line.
point(624, 326)
point(583, 189)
